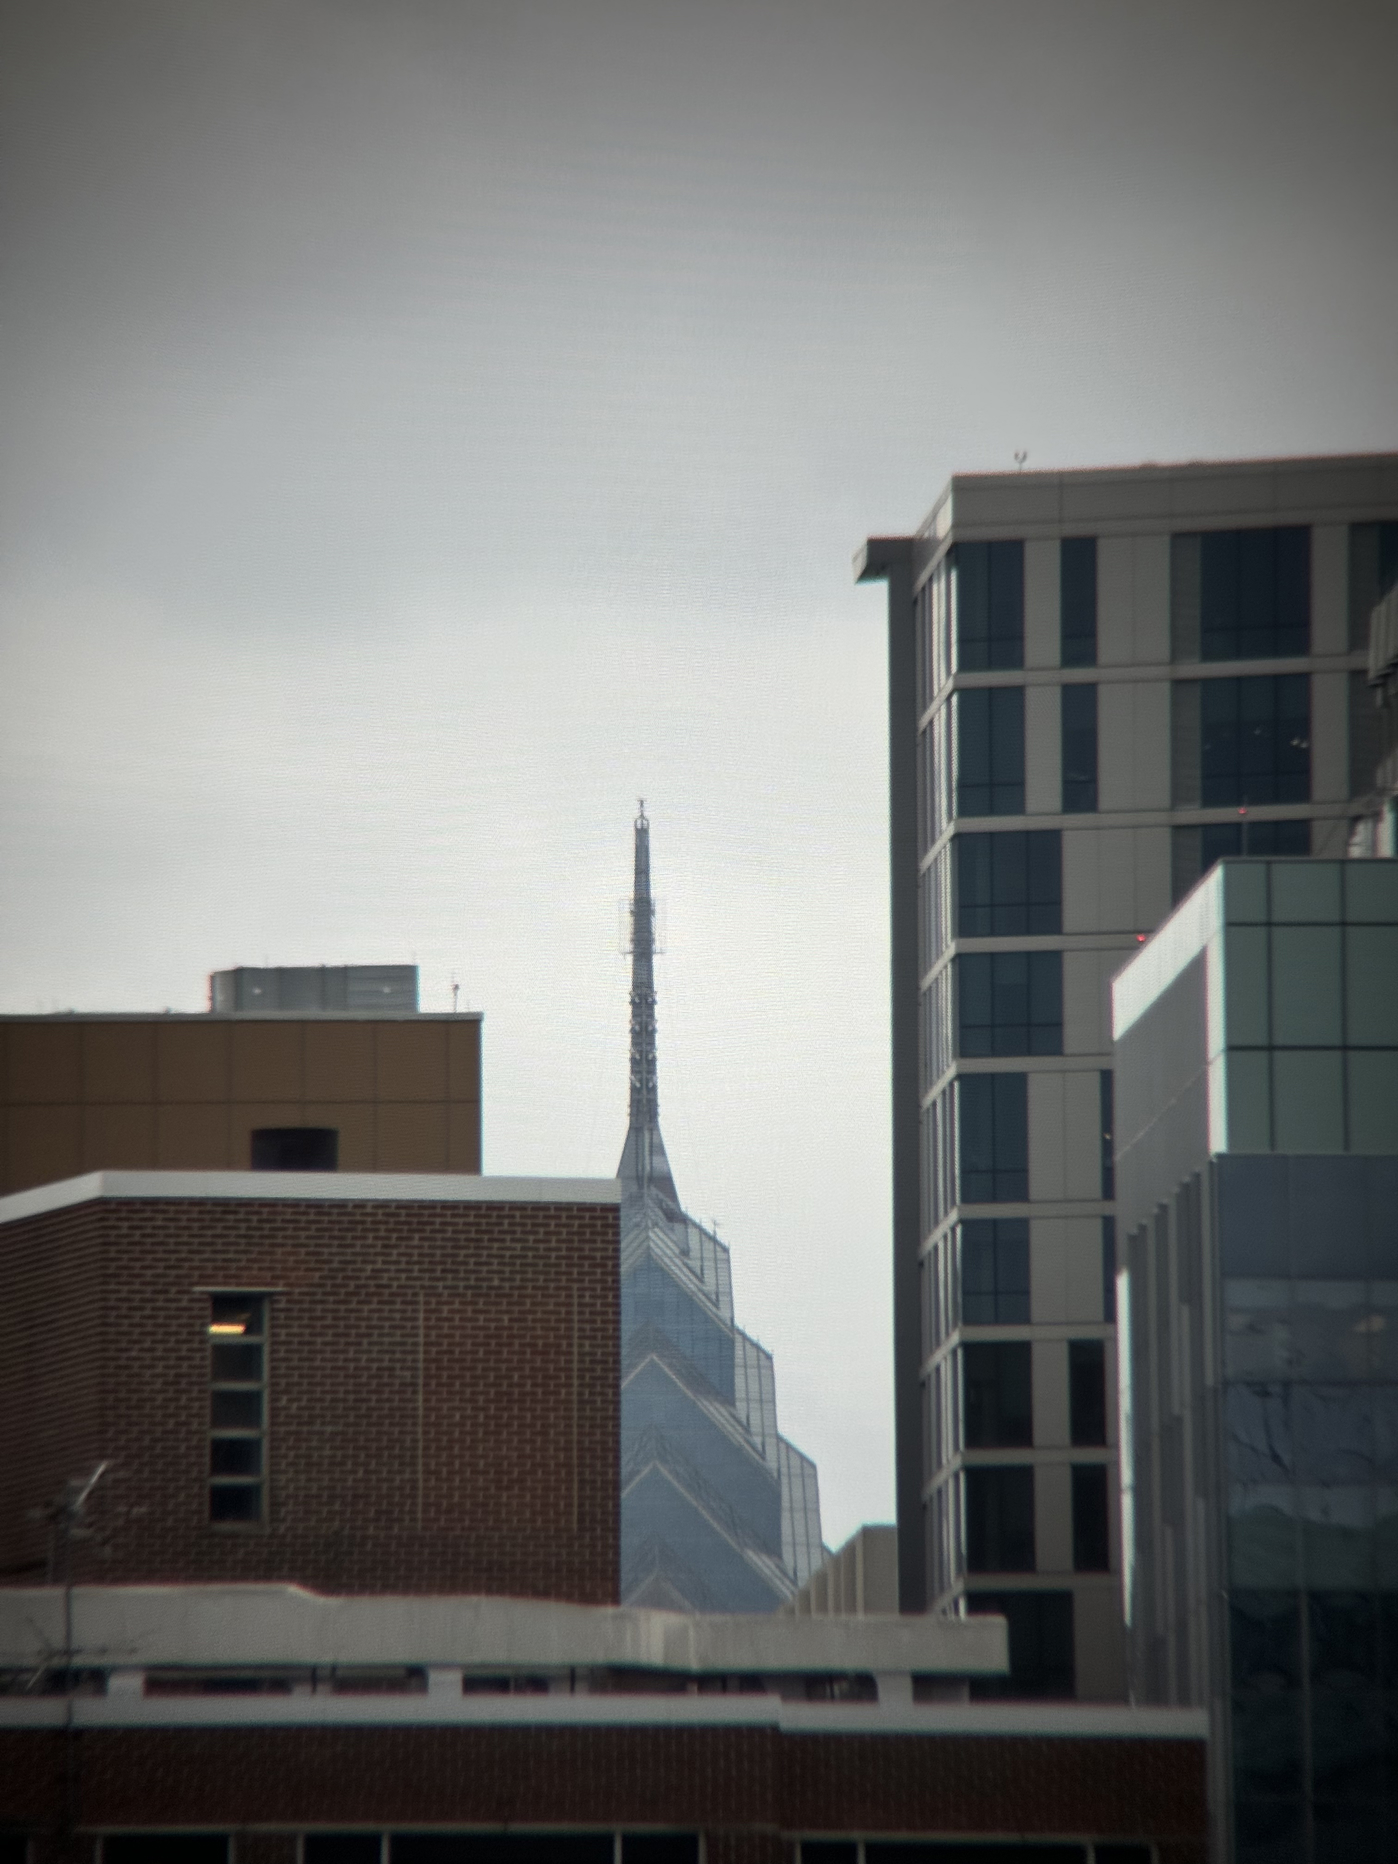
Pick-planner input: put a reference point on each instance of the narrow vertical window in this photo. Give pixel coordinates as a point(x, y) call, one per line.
point(1091, 1542)
point(1079, 749)
point(1087, 1391)
point(1077, 590)
point(237, 1408)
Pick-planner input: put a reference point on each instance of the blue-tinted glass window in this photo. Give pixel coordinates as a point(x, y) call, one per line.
point(1010, 1003)
point(989, 605)
point(1077, 599)
point(995, 1271)
point(1255, 594)
point(1264, 1631)
point(1091, 1543)
point(1255, 740)
point(993, 1134)
point(990, 751)
point(1220, 840)
point(1079, 749)
point(1009, 884)
point(998, 1404)
point(651, 1298)
point(1000, 1519)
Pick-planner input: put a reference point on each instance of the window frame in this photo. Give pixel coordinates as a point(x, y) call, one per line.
point(222, 1312)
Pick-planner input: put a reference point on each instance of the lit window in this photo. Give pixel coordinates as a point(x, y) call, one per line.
point(237, 1408)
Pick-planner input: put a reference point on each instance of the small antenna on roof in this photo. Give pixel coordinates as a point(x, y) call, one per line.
point(1021, 457)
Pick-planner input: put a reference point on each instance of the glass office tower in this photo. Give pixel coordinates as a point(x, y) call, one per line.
point(718, 1511)
point(1257, 1187)
point(1100, 683)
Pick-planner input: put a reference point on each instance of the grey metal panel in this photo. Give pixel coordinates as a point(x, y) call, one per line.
point(1185, 578)
point(1185, 785)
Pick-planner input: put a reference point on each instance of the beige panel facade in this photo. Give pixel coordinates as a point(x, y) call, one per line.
point(1041, 604)
point(1121, 868)
point(93, 1093)
point(1043, 788)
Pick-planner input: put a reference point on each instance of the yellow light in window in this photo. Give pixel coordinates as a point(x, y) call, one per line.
point(228, 1326)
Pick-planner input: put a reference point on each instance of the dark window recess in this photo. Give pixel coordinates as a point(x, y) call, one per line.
point(1091, 1549)
point(993, 1136)
point(296, 1148)
point(659, 1848)
point(982, 1851)
point(1010, 1003)
point(1077, 601)
point(1121, 1854)
point(989, 725)
point(1255, 741)
point(829, 1851)
point(1105, 1102)
point(995, 1271)
point(1087, 1391)
point(502, 1847)
point(998, 1401)
point(1255, 594)
point(237, 1332)
point(1041, 1644)
point(1219, 840)
point(340, 1848)
point(1010, 884)
point(1000, 1519)
point(164, 1848)
point(1079, 706)
point(1109, 1268)
point(989, 596)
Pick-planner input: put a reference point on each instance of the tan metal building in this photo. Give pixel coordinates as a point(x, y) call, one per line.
point(81, 1093)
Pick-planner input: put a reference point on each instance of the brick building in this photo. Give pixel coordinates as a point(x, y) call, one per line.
point(294, 1730)
point(402, 1391)
point(384, 1090)
point(355, 1383)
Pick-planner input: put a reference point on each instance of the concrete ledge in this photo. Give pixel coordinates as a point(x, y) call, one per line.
point(253, 1625)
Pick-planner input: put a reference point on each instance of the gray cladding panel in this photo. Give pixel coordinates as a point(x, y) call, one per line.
point(1161, 1097)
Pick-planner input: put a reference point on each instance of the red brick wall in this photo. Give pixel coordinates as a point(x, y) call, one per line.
point(744, 1787)
point(51, 1398)
point(442, 1380)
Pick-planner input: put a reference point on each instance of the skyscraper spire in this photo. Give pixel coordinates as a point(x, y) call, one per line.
point(718, 1511)
point(644, 1166)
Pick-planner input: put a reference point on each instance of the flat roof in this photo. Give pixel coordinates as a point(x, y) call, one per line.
point(1152, 496)
point(331, 1187)
point(242, 1016)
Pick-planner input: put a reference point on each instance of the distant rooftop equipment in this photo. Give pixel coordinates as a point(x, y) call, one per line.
point(388, 988)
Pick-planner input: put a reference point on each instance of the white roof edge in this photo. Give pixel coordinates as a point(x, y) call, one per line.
point(242, 1016)
point(1174, 945)
point(308, 1187)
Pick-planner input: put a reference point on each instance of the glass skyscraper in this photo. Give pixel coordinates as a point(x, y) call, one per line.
point(1257, 1185)
point(719, 1512)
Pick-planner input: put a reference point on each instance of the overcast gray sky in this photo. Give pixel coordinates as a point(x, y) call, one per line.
point(426, 426)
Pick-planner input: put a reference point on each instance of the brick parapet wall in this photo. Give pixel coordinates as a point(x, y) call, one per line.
point(442, 1392)
point(747, 1788)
